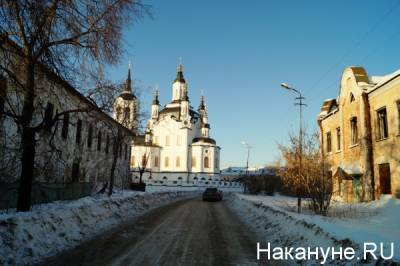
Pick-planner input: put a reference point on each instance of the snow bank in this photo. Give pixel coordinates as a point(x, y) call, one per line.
point(269, 216)
point(26, 238)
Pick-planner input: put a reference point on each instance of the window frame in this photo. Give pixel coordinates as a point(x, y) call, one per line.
point(382, 131)
point(354, 131)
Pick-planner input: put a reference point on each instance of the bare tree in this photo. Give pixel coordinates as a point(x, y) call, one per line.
point(313, 184)
point(53, 36)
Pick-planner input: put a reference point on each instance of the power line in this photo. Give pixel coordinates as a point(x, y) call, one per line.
point(357, 44)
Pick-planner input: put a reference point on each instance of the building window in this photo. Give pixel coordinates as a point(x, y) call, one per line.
point(156, 161)
point(166, 140)
point(64, 131)
point(193, 161)
point(90, 136)
point(328, 142)
point(216, 163)
point(178, 140)
point(3, 93)
point(166, 162)
point(99, 141)
point(206, 162)
point(382, 127)
point(107, 143)
point(178, 162)
point(353, 131)
point(156, 140)
point(398, 116)
point(48, 115)
point(78, 135)
point(338, 139)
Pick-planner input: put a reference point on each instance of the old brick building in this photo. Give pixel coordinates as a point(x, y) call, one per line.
point(360, 135)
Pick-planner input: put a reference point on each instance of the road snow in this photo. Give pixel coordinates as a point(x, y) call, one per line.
point(29, 237)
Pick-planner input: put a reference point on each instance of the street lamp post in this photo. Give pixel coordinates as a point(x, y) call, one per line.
point(300, 103)
point(248, 147)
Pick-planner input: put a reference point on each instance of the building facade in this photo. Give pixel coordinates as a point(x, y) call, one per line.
point(78, 148)
point(360, 135)
point(176, 147)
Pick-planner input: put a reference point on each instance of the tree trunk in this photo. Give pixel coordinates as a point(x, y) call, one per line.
point(27, 142)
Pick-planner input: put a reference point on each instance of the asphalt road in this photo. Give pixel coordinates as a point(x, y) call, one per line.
point(187, 232)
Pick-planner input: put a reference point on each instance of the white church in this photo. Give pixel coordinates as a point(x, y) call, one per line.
point(176, 147)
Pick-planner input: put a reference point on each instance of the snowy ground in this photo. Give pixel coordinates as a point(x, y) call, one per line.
point(347, 224)
point(26, 238)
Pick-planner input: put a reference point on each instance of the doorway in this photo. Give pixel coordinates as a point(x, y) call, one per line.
point(384, 178)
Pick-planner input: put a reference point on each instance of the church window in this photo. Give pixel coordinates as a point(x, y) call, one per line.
point(338, 139)
point(90, 136)
point(206, 162)
point(118, 113)
point(156, 161)
point(178, 161)
point(353, 131)
point(144, 161)
point(216, 163)
point(78, 135)
point(99, 140)
point(352, 99)
point(107, 143)
point(166, 140)
point(166, 162)
point(193, 161)
point(64, 131)
point(126, 113)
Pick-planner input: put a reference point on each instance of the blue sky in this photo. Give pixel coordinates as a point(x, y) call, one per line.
point(239, 52)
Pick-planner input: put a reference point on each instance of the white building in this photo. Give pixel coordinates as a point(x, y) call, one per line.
point(176, 147)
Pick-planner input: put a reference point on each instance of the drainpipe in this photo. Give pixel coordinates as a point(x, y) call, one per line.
point(368, 192)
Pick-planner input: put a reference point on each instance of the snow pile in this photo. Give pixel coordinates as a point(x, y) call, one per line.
point(28, 237)
point(372, 222)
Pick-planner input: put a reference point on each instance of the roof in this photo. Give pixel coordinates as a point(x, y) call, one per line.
point(139, 140)
point(127, 96)
point(205, 140)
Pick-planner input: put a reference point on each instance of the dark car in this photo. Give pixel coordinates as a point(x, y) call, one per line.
point(212, 194)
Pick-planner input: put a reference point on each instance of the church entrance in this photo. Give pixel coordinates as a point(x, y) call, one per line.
point(384, 178)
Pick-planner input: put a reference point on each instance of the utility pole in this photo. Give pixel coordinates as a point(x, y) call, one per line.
point(247, 162)
point(299, 102)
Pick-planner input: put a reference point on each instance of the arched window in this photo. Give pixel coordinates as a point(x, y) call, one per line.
point(193, 161)
point(144, 160)
point(178, 161)
point(166, 140)
point(165, 178)
point(206, 162)
point(126, 113)
point(166, 162)
point(118, 113)
point(156, 161)
point(133, 161)
point(351, 97)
